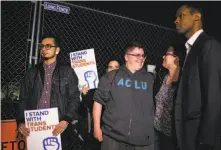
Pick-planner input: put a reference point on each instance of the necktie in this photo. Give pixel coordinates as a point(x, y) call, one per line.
point(188, 47)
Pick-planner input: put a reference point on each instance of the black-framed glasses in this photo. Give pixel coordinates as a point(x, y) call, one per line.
point(171, 54)
point(138, 55)
point(47, 46)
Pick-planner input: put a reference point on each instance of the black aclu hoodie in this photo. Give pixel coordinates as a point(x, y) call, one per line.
point(128, 100)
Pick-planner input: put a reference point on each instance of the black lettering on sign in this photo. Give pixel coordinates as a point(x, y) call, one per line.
point(13, 143)
point(4, 145)
point(21, 145)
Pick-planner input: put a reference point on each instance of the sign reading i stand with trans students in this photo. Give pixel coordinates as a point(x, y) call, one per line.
point(41, 123)
point(84, 64)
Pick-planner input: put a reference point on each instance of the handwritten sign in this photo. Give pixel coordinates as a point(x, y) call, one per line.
point(41, 124)
point(84, 64)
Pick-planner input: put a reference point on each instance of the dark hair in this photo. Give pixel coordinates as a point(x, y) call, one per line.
point(179, 50)
point(132, 45)
point(56, 39)
point(112, 59)
point(194, 9)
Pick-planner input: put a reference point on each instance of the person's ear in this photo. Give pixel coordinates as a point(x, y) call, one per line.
point(197, 16)
point(57, 50)
point(126, 57)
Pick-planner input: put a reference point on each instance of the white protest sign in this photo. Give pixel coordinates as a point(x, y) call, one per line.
point(151, 68)
point(41, 123)
point(84, 64)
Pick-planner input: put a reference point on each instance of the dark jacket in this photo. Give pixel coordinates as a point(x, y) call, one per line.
point(128, 100)
point(198, 101)
point(64, 91)
point(88, 99)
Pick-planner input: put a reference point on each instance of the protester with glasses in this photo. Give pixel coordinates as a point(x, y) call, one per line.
point(51, 83)
point(164, 90)
point(127, 96)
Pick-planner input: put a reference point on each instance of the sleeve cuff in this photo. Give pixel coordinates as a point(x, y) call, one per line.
point(67, 118)
point(100, 102)
point(97, 98)
point(19, 121)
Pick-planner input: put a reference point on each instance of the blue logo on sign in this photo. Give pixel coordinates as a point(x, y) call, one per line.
point(91, 77)
point(51, 143)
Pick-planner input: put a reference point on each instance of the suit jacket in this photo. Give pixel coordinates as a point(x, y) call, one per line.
point(198, 100)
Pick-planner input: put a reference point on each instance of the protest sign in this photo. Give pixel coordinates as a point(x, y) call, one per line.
point(84, 64)
point(41, 123)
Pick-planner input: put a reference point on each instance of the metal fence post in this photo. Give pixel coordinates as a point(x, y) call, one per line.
point(32, 37)
point(38, 32)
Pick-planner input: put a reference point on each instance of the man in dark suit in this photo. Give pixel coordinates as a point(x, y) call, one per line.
point(198, 101)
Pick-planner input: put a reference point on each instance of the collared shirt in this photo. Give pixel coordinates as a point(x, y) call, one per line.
point(190, 43)
point(191, 40)
point(164, 108)
point(46, 93)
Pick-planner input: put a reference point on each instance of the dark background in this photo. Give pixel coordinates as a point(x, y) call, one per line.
point(160, 12)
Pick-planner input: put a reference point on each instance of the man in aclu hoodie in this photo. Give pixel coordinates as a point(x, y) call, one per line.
point(127, 96)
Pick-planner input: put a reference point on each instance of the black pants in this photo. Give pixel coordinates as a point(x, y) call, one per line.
point(65, 138)
point(163, 142)
point(111, 144)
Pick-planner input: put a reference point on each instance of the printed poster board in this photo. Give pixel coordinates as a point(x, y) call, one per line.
point(84, 64)
point(41, 123)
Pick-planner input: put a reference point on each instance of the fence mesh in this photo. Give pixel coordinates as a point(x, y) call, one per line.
point(14, 52)
point(85, 28)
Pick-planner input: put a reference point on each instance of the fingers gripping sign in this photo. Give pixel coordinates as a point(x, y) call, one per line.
point(51, 143)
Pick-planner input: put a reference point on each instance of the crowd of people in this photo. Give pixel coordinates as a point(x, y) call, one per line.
point(179, 107)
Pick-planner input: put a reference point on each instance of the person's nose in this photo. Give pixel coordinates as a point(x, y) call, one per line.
point(177, 20)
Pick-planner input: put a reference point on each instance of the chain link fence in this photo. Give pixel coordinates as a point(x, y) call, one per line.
point(16, 19)
point(107, 33)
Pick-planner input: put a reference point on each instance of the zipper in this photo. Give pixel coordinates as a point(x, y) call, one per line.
point(132, 103)
point(130, 125)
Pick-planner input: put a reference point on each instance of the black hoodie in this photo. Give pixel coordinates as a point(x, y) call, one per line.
point(128, 100)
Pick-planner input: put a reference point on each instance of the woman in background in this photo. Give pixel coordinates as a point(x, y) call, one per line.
point(165, 86)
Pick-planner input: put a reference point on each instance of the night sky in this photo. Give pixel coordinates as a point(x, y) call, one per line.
point(161, 12)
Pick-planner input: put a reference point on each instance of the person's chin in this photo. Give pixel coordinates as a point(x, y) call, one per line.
point(47, 57)
point(180, 31)
point(139, 67)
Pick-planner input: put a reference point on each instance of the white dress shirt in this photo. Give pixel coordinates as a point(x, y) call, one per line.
point(190, 42)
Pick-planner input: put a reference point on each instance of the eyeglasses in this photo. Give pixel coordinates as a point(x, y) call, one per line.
point(171, 54)
point(47, 46)
point(137, 55)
